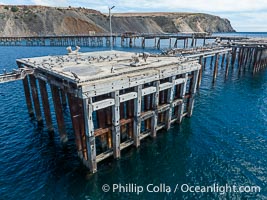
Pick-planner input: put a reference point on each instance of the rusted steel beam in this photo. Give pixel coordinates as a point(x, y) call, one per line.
point(59, 114)
point(101, 121)
point(78, 138)
point(146, 108)
point(76, 118)
point(82, 122)
point(46, 107)
point(130, 106)
point(35, 98)
point(126, 121)
point(28, 96)
point(102, 131)
point(109, 124)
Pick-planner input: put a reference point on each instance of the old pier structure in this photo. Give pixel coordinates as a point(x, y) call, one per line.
point(115, 100)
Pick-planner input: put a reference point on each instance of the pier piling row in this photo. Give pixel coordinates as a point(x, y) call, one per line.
point(114, 100)
point(186, 40)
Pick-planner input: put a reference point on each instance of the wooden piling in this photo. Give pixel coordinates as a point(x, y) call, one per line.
point(46, 107)
point(176, 43)
point(143, 43)
point(215, 72)
point(158, 44)
point(35, 98)
point(200, 71)
point(59, 114)
point(28, 96)
point(76, 119)
point(227, 64)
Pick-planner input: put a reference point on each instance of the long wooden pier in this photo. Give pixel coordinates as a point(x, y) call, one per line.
point(116, 99)
point(122, 40)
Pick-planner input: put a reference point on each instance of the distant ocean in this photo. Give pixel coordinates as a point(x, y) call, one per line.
point(224, 143)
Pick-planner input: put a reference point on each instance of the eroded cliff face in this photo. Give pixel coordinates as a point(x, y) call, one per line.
point(39, 20)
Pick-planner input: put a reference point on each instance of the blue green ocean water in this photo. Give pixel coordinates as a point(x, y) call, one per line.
point(223, 143)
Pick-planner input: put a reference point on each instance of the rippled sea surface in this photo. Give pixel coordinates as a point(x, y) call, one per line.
point(224, 142)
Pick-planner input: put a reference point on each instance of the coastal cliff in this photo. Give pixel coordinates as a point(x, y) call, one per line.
point(41, 20)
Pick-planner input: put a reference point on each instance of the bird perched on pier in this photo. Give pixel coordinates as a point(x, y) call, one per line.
point(112, 69)
point(75, 76)
point(71, 52)
point(145, 56)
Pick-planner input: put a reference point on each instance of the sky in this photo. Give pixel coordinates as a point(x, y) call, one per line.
point(245, 15)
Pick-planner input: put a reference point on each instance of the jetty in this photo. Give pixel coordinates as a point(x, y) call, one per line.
point(116, 99)
point(128, 39)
